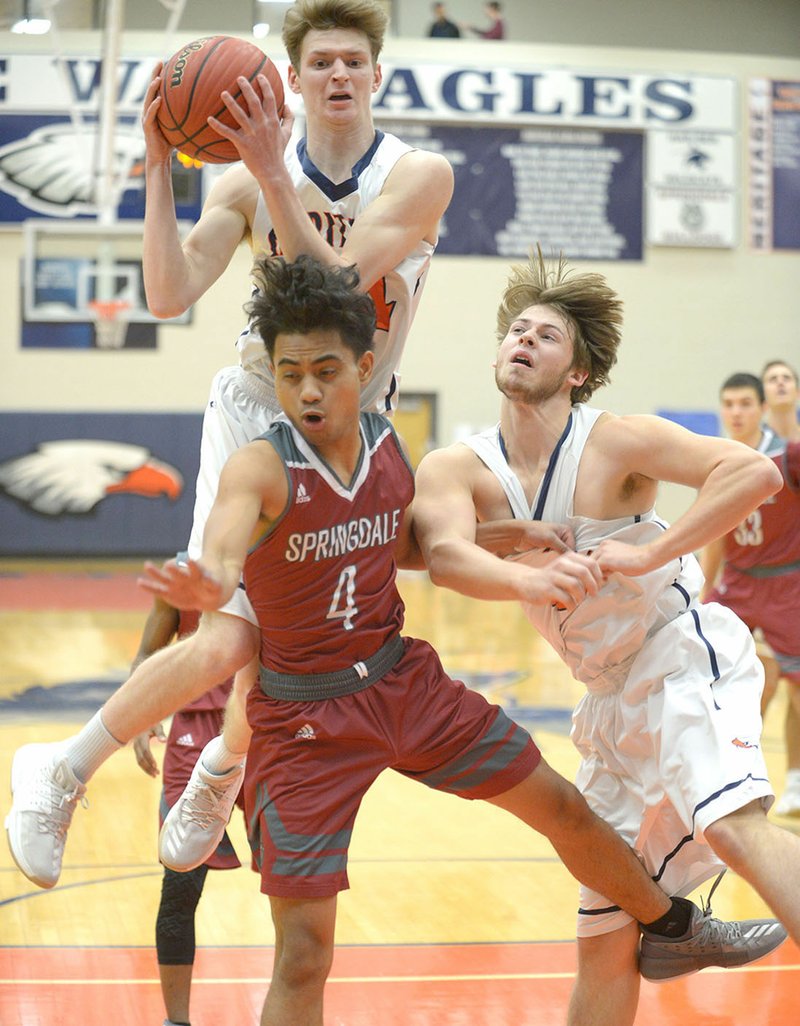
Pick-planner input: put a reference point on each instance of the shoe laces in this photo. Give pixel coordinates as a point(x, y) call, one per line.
point(202, 804)
point(716, 931)
point(705, 903)
point(55, 805)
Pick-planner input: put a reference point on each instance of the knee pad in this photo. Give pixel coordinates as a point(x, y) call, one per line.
point(180, 893)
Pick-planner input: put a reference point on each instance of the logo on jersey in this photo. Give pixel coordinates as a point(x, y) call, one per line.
point(738, 743)
point(306, 733)
point(186, 740)
point(302, 494)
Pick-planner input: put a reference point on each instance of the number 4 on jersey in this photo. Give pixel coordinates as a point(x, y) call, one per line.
point(343, 604)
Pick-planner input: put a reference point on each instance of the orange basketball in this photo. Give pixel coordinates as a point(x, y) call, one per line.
point(191, 84)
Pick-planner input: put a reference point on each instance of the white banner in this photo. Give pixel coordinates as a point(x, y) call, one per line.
point(692, 189)
point(432, 92)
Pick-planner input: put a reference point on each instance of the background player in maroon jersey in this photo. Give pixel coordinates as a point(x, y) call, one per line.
point(313, 513)
point(780, 383)
point(191, 729)
point(755, 569)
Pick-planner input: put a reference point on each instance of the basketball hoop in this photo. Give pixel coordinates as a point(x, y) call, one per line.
point(110, 322)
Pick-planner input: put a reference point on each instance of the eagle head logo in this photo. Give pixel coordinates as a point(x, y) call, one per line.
point(73, 475)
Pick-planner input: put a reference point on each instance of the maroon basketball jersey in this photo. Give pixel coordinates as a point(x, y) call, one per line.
point(770, 536)
point(322, 580)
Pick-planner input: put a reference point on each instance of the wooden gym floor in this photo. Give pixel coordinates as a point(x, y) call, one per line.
point(457, 914)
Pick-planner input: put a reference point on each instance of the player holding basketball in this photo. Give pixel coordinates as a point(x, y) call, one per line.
point(342, 695)
point(345, 194)
point(755, 569)
point(191, 728)
point(669, 728)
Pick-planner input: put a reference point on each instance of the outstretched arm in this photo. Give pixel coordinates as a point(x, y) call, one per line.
point(252, 487)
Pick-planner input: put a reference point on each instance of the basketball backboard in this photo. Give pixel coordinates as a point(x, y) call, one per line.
point(71, 266)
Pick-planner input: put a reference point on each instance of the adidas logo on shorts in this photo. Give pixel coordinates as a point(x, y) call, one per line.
point(185, 739)
point(306, 732)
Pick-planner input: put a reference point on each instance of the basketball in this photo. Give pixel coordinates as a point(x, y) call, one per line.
point(191, 84)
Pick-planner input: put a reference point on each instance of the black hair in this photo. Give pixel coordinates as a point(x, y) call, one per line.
point(306, 295)
point(744, 380)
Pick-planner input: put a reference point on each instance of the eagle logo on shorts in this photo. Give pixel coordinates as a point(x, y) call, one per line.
point(738, 743)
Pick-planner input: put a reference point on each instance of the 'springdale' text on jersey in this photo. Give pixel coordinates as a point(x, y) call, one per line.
point(322, 579)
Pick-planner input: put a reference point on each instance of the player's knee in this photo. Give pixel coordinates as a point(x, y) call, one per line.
point(175, 936)
point(305, 961)
point(227, 640)
point(733, 837)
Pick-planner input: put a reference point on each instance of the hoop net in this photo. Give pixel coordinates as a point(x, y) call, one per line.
point(110, 322)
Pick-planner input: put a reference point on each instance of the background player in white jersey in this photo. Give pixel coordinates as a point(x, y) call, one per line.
point(385, 201)
point(669, 728)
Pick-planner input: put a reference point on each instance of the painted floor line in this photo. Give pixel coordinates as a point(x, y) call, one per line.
point(435, 978)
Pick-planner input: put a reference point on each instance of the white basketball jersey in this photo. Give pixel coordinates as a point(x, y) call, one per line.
point(599, 639)
point(332, 208)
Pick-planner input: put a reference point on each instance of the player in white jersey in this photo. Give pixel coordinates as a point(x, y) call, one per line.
point(347, 196)
point(669, 729)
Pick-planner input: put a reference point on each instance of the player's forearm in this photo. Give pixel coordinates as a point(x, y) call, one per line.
point(164, 264)
point(296, 234)
point(464, 567)
point(729, 495)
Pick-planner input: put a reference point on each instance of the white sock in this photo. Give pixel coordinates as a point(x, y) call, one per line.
point(217, 758)
point(89, 749)
point(793, 778)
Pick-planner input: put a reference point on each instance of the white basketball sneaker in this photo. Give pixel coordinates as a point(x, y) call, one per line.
point(196, 822)
point(45, 792)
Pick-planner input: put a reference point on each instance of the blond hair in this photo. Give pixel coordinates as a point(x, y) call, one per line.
point(585, 301)
point(365, 16)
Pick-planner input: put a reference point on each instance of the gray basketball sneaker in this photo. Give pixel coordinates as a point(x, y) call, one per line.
point(708, 942)
point(45, 792)
point(196, 822)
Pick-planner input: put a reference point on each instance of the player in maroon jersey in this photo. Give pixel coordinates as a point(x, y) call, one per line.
point(755, 569)
point(192, 728)
point(313, 513)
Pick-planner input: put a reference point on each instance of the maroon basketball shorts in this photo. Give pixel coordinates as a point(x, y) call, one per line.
point(771, 603)
point(190, 732)
point(311, 762)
